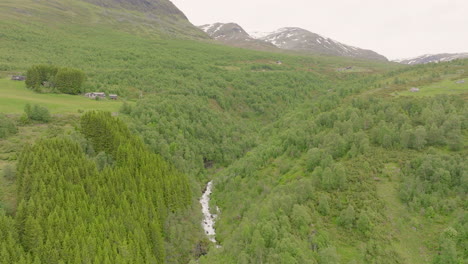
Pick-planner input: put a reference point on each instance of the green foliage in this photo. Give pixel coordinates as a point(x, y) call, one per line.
point(363, 223)
point(65, 80)
point(323, 207)
point(9, 172)
point(334, 154)
point(125, 108)
point(110, 215)
point(69, 81)
point(37, 75)
point(37, 113)
point(329, 256)
point(301, 147)
point(347, 217)
point(434, 182)
point(7, 127)
point(300, 219)
point(448, 247)
point(190, 133)
point(103, 160)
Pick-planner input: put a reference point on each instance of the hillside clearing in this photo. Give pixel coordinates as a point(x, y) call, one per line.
point(443, 87)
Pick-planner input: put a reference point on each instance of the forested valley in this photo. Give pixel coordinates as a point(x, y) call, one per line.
point(309, 163)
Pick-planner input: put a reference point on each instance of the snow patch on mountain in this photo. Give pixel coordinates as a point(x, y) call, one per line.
point(298, 39)
point(288, 38)
point(432, 58)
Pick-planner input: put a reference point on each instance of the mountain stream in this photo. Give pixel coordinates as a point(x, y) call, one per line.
point(208, 218)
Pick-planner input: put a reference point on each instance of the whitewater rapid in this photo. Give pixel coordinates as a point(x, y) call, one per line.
point(208, 218)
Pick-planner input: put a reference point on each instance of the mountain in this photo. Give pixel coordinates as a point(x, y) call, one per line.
point(235, 35)
point(433, 58)
point(298, 39)
point(288, 38)
point(142, 17)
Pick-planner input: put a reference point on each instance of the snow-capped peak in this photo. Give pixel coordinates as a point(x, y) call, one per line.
point(289, 38)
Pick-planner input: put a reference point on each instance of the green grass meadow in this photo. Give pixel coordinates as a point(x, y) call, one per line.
point(14, 96)
point(443, 87)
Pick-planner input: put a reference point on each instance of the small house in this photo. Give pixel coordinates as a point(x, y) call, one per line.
point(279, 62)
point(349, 68)
point(113, 96)
point(18, 78)
point(95, 94)
point(461, 81)
point(414, 90)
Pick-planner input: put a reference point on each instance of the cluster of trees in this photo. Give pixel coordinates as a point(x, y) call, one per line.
point(189, 132)
point(208, 114)
point(452, 243)
point(38, 75)
point(63, 80)
point(72, 212)
point(436, 184)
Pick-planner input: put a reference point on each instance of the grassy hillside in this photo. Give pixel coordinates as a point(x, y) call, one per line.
point(311, 163)
point(156, 17)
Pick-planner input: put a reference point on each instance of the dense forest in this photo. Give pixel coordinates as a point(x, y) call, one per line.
point(317, 181)
point(98, 196)
point(309, 163)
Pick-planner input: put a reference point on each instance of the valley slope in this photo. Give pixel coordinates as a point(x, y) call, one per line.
point(319, 159)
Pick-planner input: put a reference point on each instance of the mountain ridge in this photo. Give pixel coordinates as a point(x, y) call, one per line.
point(234, 35)
point(288, 38)
point(432, 58)
point(298, 39)
point(159, 6)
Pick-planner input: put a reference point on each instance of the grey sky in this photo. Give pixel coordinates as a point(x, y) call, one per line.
point(394, 28)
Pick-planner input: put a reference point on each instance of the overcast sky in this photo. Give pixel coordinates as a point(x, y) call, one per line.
point(394, 28)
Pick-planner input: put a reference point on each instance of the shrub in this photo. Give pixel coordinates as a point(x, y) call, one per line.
point(7, 127)
point(37, 113)
point(126, 108)
point(9, 172)
point(347, 217)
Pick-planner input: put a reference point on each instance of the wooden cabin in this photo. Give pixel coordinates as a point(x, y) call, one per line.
point(18, 78)
point(95, 94)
